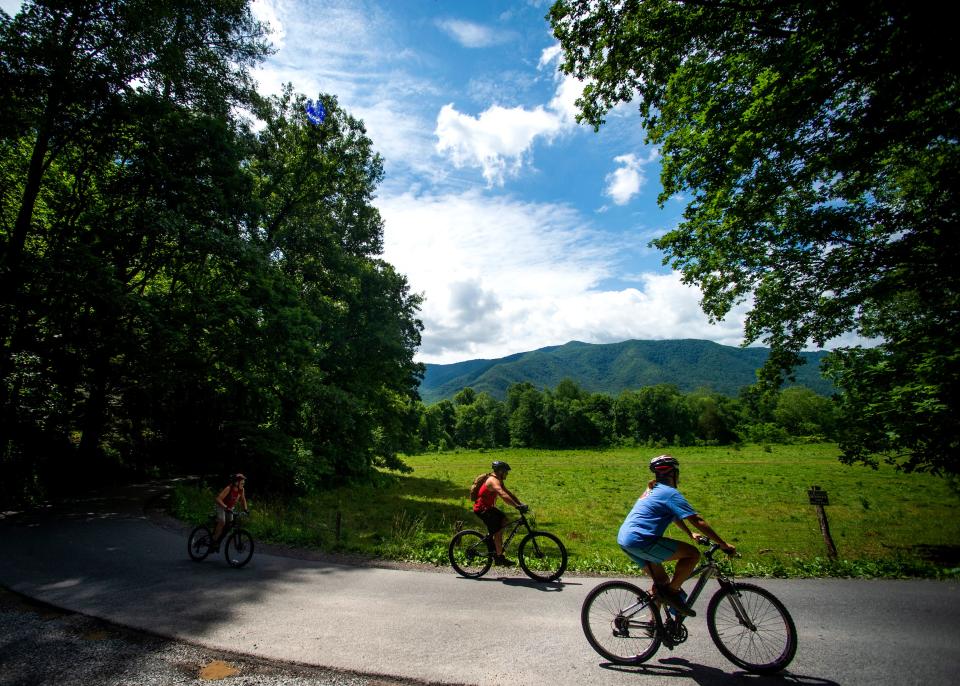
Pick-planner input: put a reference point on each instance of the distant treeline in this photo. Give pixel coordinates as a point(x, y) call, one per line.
point(569, 417)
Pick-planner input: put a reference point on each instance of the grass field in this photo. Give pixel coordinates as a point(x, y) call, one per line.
point(884, 523)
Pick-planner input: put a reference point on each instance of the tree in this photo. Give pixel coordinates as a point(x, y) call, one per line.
point(525, 409)
point(178, 289)
point(801, 412)
point(93, 92)
point(819, 147)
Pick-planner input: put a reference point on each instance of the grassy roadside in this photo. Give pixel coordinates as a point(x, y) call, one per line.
point(884, 524)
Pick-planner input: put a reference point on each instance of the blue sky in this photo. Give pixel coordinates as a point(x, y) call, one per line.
point(520, 227)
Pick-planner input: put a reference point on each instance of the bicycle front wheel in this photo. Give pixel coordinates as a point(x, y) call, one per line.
point(470, 553)
point(619, 622)
point(542, 556)
point(238, 548)
point(752, 628)
point(198, 543)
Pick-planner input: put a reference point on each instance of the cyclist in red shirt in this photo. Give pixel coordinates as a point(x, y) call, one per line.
point(227, 499)
point(485, 508)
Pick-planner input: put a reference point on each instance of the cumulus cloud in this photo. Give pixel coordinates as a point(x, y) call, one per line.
point(501, 276)
point(471, 35)
point(500, 139)
point(496, 141)
point(625, 182)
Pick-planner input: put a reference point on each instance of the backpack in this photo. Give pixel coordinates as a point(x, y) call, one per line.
point(477, 485)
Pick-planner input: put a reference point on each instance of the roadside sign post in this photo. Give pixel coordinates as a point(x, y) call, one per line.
point(818, 498)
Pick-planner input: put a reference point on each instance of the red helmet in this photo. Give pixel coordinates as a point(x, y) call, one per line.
point(664, 464)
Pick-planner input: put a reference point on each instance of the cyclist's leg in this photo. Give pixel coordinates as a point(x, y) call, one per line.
point(658, 574)
point(221, 521)
point(496, 522)
point(687, 557)
point(653, 555)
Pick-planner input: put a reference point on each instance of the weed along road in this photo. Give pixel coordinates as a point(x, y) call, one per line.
point(109, 560)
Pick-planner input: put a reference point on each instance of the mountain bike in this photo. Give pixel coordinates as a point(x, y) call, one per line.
point(237, 542)
point(750, 626)
point(542, 555)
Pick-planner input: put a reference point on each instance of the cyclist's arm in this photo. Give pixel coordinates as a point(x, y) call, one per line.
point(502, 491)
point(223, 494)
point(686, 529)
point(700, 523)
point(243, 500)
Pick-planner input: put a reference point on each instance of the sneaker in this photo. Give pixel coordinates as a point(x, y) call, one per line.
point(502, 561)
point(675, 601)
point(683, 597)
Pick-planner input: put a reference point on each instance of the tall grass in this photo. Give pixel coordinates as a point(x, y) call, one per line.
point(884, 523)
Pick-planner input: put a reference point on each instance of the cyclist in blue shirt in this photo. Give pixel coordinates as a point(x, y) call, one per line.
point(641, 534)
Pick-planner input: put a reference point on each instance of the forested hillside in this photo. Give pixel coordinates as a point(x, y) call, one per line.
point(689, 365)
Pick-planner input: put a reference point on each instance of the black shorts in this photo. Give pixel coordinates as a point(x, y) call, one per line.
point(494, 519)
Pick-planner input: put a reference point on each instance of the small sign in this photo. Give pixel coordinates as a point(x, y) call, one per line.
point(818, 496)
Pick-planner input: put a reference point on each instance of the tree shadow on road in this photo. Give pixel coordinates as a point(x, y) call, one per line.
point(712, 676)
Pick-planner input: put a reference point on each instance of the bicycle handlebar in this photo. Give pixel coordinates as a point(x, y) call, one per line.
point(711, 547)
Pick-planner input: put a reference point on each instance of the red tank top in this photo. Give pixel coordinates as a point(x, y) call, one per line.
point(232, 497)
point(486, 498)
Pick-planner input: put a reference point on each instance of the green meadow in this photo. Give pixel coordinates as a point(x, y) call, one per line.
point(884, 523)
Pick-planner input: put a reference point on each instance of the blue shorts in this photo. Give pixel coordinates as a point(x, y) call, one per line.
point(657, 552)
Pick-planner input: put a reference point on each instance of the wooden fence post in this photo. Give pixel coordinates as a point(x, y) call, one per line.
point(818, 498)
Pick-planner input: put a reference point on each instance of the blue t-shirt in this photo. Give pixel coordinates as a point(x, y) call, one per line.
point(652, 514)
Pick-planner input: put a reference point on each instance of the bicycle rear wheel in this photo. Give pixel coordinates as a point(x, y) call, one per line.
point(542, 556)
point(763, 640)
point(238, 547)
point(470, 553)
point(198, 543)
point(619, 623)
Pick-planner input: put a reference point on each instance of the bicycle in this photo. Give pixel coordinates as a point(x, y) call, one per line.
point(237, 541)
point(542, 555)
point(748, 624)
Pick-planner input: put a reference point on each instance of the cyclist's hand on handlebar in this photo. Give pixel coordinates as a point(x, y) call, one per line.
point(702, 540)
point(730, 550)
point(523, 508)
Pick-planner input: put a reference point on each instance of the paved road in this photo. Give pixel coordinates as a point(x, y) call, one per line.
point(108, 560)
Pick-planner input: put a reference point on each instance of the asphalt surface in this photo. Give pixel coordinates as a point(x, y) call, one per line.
point(108, 561)
point(41, 645)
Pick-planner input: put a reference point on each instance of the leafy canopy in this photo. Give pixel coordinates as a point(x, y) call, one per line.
point(817, 143)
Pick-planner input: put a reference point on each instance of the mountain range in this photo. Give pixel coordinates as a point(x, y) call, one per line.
point(614, 367)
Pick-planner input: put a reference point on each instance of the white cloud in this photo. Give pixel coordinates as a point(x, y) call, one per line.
point(499, 139)
point(550, 56)
point(625, 182)
point(502, 276)
point(471, 35)
point(266, 11)
point(11, 7)
point(496, 141)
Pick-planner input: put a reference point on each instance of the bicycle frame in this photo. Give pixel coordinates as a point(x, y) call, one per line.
point(704, 572)
point(516, 524)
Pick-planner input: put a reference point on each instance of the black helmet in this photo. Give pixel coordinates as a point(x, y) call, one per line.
point(664, 464)
point(499, 466)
